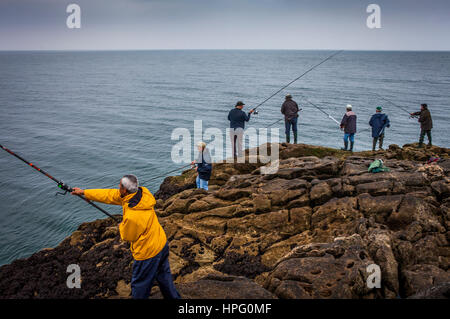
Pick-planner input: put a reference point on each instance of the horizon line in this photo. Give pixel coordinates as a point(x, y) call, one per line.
point(224, 49)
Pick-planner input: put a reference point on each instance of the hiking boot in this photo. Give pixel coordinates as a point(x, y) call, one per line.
point(374, 144)
point(351, 146)
point(288, 139)
point(345, 146)
point(295, 137)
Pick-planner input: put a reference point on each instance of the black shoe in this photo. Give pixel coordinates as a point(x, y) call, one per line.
point(351, 146)
point(345, 146)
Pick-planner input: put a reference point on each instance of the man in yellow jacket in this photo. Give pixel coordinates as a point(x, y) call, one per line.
point(140, 227)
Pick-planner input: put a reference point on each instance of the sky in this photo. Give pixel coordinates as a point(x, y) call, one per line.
point(225, 24)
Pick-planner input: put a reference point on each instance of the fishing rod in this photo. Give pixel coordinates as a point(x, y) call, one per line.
point(278, 120)
point(172, 171)
point(63, 186)
point(401, 108)
point(298, 78)
point(153, 178)
point(329, 116)
point(275, 122)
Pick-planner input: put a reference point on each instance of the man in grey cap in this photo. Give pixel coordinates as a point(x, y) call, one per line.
point(290, 111)
point(237, 119)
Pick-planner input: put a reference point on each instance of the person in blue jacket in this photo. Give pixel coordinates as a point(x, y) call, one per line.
point(237, 119)
point(379, 121)
point(203, 166)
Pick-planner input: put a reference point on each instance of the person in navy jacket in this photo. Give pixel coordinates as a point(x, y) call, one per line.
point(379, 121)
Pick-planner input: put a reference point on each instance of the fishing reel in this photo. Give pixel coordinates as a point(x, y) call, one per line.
point(66, 188)
point(255, 112)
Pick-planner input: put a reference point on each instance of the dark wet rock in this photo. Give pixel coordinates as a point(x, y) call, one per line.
point(421, 277)
point(220, 287)
point(441, 291)
point(333, 270)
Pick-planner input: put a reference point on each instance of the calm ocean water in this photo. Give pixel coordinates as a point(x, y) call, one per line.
point(90, 117)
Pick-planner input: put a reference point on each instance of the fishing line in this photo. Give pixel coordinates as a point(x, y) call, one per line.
point(63, 186)
point(159, 176)
point(327, 114)
point(298, 78)
point(267, 99)
point(401, 108)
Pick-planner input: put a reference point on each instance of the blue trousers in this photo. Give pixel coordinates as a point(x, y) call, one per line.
point(201, 183)
point(349, 135)
point(146, 271)
point(291, 123)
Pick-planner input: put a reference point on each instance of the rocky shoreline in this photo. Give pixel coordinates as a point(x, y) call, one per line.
point(308, 231)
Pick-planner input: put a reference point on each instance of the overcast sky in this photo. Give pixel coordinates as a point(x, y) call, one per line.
point(225, 24)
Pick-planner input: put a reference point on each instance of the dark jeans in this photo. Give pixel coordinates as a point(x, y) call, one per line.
point(422, 135)
point(146, 271)
point(289, 123)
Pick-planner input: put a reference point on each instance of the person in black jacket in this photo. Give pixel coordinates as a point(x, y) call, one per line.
point(237, 119)
point(426, 123)
point(290, 111)
point(348, 125)
point(203, 166)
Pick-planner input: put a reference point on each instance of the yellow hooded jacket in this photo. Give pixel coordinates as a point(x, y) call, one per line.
point(140, 224)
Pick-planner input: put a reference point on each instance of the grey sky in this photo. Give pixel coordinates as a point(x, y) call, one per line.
point(224, 24)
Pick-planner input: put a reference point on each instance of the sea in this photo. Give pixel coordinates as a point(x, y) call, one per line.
point(89, 117)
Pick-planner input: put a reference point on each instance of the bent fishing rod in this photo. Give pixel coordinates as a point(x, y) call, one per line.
point(298, 78)
point(396, 105)
point(66, 188)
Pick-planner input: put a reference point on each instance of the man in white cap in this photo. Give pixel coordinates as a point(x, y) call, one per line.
point(348, 125)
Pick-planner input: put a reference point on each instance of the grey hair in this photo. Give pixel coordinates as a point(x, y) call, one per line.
point(130, 183)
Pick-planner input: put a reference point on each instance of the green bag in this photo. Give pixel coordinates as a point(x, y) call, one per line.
point(378, 166)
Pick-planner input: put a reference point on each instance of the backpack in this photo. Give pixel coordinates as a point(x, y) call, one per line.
point(378, 166)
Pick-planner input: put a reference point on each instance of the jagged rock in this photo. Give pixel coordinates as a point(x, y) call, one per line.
point(221, 287)
point(441, 291)
point(320, 193)
point(422, 276)
point(307, 231)
point(233, 194)
point(379, 207)
point(333, 270)
point(379, 247)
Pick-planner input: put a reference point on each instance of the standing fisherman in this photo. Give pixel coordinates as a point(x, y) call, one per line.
point(379, 121)
point(290, 111)
point(237, 119)
point(426, 123)
point(140, 227)
point(348, 125)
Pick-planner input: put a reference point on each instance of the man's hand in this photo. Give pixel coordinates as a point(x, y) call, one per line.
point(251, 111)
point(77, 191)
